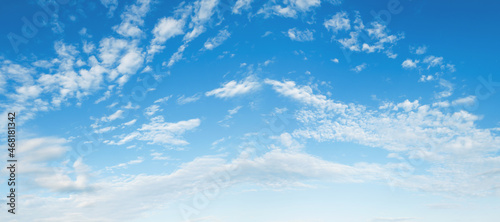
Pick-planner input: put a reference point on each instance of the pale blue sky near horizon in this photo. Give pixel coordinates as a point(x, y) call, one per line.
point(252, 110)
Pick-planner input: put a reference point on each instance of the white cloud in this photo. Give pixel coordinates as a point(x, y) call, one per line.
point(359, 68)
point(301, 36)
point(160, 132)
point(109, 201)
point(433, 61)
point(177, 55)
point(267, 33)
point(185, 100)
point(151, 110)
point(121, 57)
point(373, 38)
point(130, 63)
point(290, 9)
point(303, 94)
point(41, 167)
point(131, 122)
point(225, 122)
point(217, 40)
point(409, 64)
point(165, 29)
point(233, 88)
point(163, 100)
point(105, 129)
point(131, 106)
point(338, 22)
point(110, 50)
point(111, 5)
point(114, 116)
point(159, 156)
point(465, 101)
point(448, 89)
point(407, 106)
point(425, 78)
point(125, 165)
point(420, 50)
point(241, 4)
point(124, 139)
point(335, 60)
point(132, 19)
point(444, 139)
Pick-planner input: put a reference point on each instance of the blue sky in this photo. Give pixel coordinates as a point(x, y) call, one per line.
point(249, 110)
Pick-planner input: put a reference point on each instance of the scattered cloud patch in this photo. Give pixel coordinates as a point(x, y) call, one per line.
point(301, 36)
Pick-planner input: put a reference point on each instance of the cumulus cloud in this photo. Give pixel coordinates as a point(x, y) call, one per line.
point(338, 22)
point(132, 19)
point(409, 64)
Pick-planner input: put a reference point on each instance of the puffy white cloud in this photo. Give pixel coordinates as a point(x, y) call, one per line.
point(407, 106)
point(409, 64)
point(110, 49)
point(338, 22)
point(165, 29)
point(233, 88)
point(301, 36)
point(132, 19)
